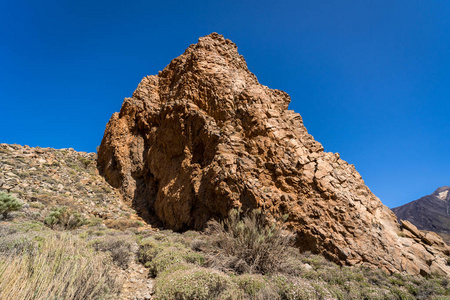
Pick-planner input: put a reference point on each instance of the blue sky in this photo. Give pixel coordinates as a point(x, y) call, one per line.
point(371, 79)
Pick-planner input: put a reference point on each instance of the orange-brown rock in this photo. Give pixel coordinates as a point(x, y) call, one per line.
point(203, 136)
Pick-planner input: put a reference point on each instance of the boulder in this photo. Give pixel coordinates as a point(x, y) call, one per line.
point(204, 136)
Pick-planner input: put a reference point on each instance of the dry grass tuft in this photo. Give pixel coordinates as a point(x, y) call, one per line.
point(57, 267)
point(121, 246)
point(248, 244)
point(123, 224)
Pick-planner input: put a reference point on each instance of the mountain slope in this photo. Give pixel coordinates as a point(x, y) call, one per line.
point(114, 245)
point(46, 179)
point(431, 212)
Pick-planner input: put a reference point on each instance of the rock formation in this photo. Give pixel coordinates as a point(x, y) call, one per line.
point(430, 212)
point(203, 136)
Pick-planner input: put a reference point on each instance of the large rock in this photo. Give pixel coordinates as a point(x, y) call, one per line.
point(203, 137)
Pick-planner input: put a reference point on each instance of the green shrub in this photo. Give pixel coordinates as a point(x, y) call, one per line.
point(195, 283)
point(191, 239)
point(159, 253)
point(165, 259)
point(8, 203)
point(293, 288)
point(85, 162)
point(171, 256)
point(14, 243)
point(249, 244)
point(148, 249)
point(401, 293)
point(65, 217)
point(255, 286)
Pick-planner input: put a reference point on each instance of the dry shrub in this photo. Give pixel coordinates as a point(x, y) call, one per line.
point(248, 244)
point(58, 267)
point(6, 230)
point(123, 224)
point(121, 247)
point(15, 243)
point(54, 200)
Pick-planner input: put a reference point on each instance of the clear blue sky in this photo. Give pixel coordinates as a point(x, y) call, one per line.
point(370, 78)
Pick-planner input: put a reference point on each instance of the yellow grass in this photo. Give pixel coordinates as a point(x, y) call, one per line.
point(57, 267)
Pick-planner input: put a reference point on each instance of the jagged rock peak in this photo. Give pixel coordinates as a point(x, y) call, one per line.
point(214, 77)
point(203, 137)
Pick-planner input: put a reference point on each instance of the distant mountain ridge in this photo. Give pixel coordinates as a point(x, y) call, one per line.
point(431, 212)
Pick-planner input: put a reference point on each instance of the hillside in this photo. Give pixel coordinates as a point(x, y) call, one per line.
point(430, 212)
point(46, 179)
point(124, 258)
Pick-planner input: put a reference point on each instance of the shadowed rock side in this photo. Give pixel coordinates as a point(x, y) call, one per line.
point(431, 212)
point(203, 136)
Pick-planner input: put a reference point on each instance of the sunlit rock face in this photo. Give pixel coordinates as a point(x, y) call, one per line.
point(203, 137)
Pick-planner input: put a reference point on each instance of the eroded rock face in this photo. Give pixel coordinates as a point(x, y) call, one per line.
point(203, 136)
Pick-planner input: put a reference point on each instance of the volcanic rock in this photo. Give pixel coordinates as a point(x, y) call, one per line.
point(203, 137)
point(431, 212)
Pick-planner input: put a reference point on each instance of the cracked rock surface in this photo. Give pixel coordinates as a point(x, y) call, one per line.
point(203, 137)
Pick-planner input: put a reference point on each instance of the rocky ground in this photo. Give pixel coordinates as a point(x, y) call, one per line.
point(44, 178)
point(59, 177)
point(150, 263)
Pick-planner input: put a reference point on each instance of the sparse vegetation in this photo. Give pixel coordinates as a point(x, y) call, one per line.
point(86, 162)
point(244, 257)
point(192, 282)
point(64, 217)
point(256, 286)
point(249, 243)
point(184, 267)
point(8, 203)
point(123, 224)
point(120, 246)
point(57, 267)
point(298, 276)
point(159, 254)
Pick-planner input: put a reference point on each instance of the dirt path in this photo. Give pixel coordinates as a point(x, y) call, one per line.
point(137, 285)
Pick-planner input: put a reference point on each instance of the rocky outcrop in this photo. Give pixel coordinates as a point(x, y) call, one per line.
point(431, 212)
point(425, 245)
point(203, 136)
